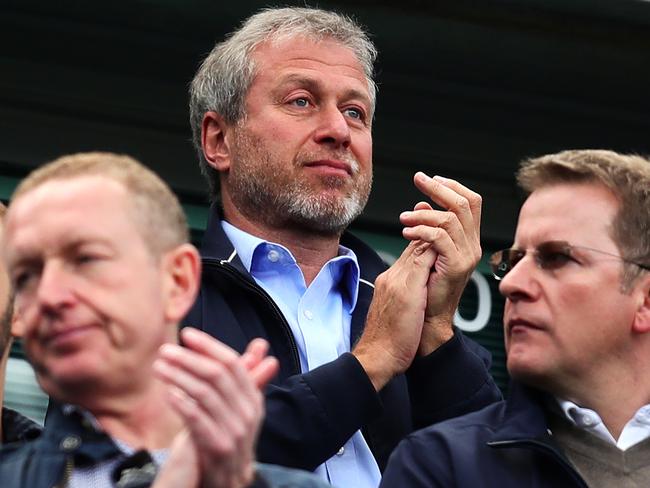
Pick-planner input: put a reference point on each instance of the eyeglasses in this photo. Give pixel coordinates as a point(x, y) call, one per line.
point(550, 255)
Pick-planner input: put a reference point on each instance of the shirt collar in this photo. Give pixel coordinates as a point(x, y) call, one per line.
point(344, 267)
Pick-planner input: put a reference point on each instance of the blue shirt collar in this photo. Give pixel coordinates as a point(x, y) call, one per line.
point(344, 267)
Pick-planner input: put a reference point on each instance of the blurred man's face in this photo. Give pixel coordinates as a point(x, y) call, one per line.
point(565, 324)
point(87, 288)
point(302, 155)
point(6, 307)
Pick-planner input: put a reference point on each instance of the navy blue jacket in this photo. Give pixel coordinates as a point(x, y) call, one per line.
point(310, 416)
point(17, 427)
point(505, 445)
point(69, 440)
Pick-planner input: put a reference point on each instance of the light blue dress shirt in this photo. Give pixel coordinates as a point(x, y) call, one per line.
point(319, 317)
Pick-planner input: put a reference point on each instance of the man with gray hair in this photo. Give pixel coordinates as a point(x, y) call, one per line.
point(577, 335)
point(281, 114)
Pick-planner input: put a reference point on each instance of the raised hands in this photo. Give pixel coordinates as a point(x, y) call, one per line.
point(454, 235)
point(217, 392)
point(415, 299)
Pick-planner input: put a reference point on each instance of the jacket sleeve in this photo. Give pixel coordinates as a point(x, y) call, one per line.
point(310, 416)
point(417, 462)
point(451, 381)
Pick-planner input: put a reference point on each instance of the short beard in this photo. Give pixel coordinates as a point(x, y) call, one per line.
point(291, 202)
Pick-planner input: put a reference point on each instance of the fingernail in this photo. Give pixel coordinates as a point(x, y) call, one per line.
point(422, 176)
point(439, 178)
point(404, 214)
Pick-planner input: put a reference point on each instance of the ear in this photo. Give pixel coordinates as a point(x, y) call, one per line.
point(181, 268)
point(642, 318)
point(17, 325)
point(215, 141)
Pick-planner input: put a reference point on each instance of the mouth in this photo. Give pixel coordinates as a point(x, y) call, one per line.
point(331, 166)
point(63, 336)
point(518, 325)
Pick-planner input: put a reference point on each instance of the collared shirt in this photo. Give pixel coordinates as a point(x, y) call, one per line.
point(319, 317)
point(100, 475)
point(636, 429)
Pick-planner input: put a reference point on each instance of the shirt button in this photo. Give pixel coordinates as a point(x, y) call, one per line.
point(309, 314)
point(341, 451)
point(588, 420)
point(273, 255)
point(70, 443)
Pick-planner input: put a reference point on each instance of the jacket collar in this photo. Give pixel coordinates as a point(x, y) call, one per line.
point(524, 417)
point(17, 427)
point(215, 245)
point(72, 431)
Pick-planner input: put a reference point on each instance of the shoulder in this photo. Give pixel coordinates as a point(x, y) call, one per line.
point(281, 477)
point(17, 427)
point(434, 456)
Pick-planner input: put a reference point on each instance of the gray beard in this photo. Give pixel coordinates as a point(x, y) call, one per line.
point(295, 206)
point(290, 203)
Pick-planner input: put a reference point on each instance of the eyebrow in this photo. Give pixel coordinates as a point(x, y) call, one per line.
point(314, 85)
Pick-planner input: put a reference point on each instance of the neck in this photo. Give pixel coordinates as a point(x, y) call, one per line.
point(310, 249)
point(143, 421)
point(616, 397)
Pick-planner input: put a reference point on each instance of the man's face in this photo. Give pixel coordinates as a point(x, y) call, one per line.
point(87, 288)
point(302, 155)
point(563, 326)
point(6, 308)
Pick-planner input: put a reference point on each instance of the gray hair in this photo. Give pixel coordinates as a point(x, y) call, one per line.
point(225, 76)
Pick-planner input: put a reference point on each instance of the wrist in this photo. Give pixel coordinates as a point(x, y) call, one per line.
point(376, 369)
point(435, 333)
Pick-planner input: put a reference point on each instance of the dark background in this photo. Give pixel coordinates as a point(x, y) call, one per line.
point(467, 89)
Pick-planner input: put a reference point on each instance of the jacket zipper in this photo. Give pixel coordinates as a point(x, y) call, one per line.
point(236, 275)
point(67, 473)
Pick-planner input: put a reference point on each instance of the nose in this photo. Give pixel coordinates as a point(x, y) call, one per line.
point(53, 290)
point(333, 128)
point(520, 283)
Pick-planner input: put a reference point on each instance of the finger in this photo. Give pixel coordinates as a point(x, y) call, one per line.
point(214, 384)
point(436, 218)
point(208, 432)
point(205, 344)
point(208, 367)
point(438, 190)
point(423, 206)
point(265, 371)
point(256, 350)
point(439, 242)
point(475, 200)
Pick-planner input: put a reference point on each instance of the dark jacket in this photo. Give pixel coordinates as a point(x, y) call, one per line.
point(70, 440)
point(505, 445)
point(310, 416)
point(17, 427)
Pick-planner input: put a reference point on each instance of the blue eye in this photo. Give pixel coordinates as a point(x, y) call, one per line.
point(354, 113)
point(301, 102)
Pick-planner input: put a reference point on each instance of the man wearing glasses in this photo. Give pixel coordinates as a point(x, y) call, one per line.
point(577, 335)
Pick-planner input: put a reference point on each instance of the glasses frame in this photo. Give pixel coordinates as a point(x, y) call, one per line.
point(497, 260)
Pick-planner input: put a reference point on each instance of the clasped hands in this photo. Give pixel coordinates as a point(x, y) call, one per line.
point(415, 299)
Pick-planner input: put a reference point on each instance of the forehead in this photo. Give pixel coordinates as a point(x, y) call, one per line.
point(64, 209)
point(579, 213)
point(278, 57)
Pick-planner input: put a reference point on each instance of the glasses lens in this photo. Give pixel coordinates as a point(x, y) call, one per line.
point(553, 255)
point(499, 263)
